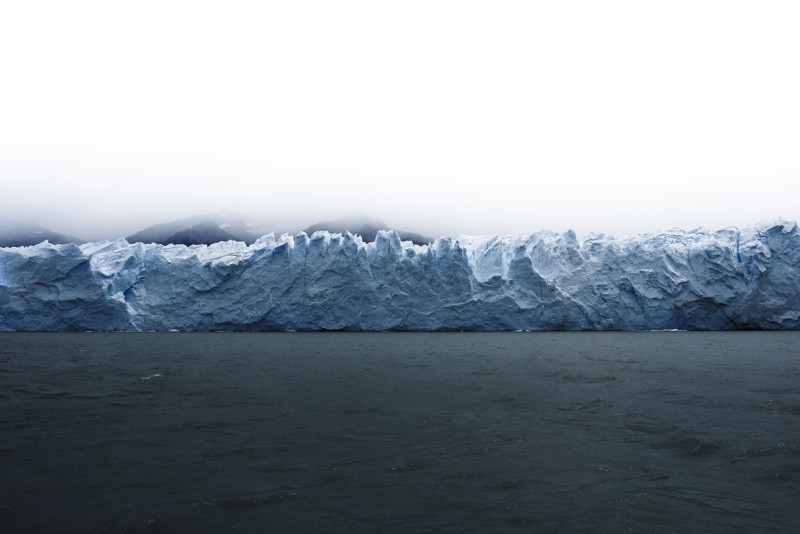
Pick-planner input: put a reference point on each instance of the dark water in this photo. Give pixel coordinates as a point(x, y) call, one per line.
point(390, 432)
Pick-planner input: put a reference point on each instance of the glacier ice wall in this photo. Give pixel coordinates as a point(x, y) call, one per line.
point(732, 278)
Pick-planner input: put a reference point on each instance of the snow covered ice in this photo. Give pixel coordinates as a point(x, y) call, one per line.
point(732, 278)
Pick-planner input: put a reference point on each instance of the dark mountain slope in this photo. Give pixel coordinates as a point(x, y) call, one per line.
point(202, 229)
point(204, 233)
point(366, 227)
point(25, 234)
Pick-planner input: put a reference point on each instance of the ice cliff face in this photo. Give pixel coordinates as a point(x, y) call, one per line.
point(727, 279)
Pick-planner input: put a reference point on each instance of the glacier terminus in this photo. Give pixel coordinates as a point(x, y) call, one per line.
point(732, 278)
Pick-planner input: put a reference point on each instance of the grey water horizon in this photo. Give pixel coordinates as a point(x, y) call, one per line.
point(400, 432)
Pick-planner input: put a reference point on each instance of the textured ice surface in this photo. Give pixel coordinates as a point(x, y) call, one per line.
point(726, 279)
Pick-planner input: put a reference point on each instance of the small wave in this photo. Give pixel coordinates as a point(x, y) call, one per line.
point(57, 395)
point(154, 375)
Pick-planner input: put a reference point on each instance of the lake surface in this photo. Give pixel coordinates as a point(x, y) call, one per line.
point(400, 432)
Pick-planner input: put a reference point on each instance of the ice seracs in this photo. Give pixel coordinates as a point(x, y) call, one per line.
point(725, 279)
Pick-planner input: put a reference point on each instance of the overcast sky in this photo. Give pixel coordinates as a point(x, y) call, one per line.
point(437, 117)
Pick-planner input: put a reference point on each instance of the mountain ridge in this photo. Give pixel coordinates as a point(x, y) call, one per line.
point(28, 233)
point(204, 229)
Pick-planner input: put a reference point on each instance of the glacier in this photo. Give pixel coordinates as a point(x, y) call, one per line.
point(731, 278)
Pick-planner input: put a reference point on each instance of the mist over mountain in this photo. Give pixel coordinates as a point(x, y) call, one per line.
point(206, 229)
point(205, 233)
point(198, 230)
point(366, 227)
point(209, 228)
point(25, 234)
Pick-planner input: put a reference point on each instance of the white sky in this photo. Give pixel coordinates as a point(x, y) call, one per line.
point(437, 117)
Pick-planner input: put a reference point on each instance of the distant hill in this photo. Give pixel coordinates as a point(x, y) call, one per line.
point(199, 230)
point(366, 227)
point(159, 233)
point(25, 234)
point(202, 230)
point(204, 233)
